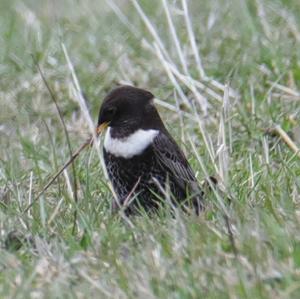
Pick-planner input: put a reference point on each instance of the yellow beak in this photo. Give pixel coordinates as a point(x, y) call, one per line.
point(100, 129)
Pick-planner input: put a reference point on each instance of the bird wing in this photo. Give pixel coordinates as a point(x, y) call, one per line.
point(170, 157)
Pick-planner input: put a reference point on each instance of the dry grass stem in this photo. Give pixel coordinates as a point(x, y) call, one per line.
point(57, 174)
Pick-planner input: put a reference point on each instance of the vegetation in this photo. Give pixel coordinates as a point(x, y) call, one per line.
point(226, 75)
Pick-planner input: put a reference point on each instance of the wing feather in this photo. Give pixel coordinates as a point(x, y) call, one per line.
point(170, 156)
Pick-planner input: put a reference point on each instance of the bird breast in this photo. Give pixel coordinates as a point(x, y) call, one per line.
point(131, 145)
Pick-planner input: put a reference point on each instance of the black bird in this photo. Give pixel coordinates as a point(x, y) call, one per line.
point(143, 161)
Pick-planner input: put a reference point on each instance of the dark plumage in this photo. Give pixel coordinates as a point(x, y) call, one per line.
point(141, 157)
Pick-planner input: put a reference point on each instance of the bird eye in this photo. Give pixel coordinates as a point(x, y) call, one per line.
point(111, 111)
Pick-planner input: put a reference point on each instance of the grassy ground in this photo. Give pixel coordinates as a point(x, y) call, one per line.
point(217, 105)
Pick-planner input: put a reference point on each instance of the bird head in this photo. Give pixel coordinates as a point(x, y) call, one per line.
point(126, 109)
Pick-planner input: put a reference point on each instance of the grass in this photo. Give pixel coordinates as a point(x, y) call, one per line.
point(219, 86)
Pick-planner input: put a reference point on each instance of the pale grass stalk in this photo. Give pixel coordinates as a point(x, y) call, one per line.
point(198, 96)
point(251, 176)
point(79, 95)
point(158, 40)
point(90, 159)
point(179, 242)
point(290, 143)
point(151, 28)
point(23, 223)
point(285, 89)
point(269, 99)
point(124, 71)
point(207, 143)
point(142, 286)
point(191, 85)
point(181, 119)
point(294, 27)
point(42, 212)
point(204, 169)
point(195, 50)
point(189, 81)
point(285, 97)
point(81, 101)
point(68, 183)
point(232, 93)
point(55, 212)
point(263, 19)
point(30, 194)
point(127, 202)
point(229, 130)
point(175, 37)
point(166, 193)
point(173, 108)
point(129, 198)
point(180, 234)
point(127, 220)
point(214, 230)
point(162, 52)
point(192, 39)
point(272, 87)
point(160, 44)
point(266, 150)
point(252, 99)
point(31, 21)
point(210, 144)
point(171, 76)
point(222, 152)
point(95, 284)
point(292, 158)
point(52, 95)
point(122, 18)
point(19, 196)
point(132, 29)
point(290, 20)
point(54, 177)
